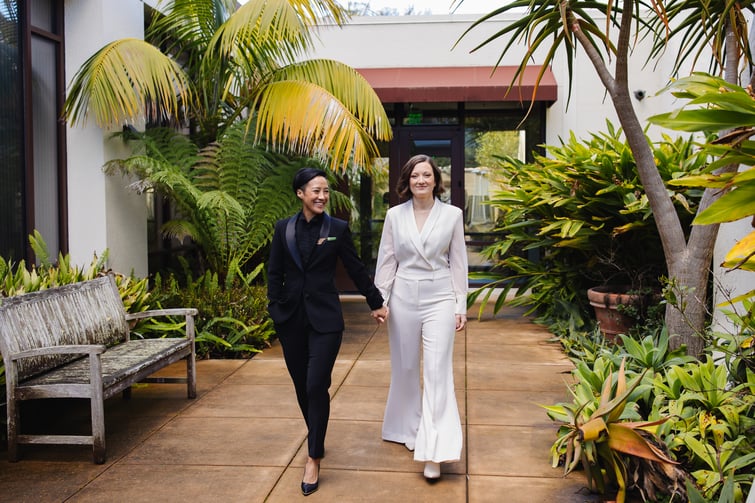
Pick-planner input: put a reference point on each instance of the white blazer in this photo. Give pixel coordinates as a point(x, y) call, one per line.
point(438, 251)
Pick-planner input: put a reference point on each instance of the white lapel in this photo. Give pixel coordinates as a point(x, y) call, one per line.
point(432, 219)
point(410, 227)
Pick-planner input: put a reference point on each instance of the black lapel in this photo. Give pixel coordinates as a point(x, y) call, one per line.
point(291, 241)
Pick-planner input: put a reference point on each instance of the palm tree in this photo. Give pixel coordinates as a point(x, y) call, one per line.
point(568, 25)
point(206, 65)
point(233, 79)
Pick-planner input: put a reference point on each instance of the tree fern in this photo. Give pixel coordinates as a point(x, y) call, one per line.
point(227, 195)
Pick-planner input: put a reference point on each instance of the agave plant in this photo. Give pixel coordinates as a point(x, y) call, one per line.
point(614, 451)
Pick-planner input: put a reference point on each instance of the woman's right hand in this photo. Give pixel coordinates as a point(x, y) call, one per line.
point(380, 315)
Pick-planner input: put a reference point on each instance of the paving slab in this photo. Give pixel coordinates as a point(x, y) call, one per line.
point(243, 439)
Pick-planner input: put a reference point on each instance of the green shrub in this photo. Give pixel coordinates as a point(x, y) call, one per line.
point(583, 213)
point(16, 279)
point(232, 320)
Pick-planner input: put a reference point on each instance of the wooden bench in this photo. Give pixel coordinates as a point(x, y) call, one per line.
point(74, 341)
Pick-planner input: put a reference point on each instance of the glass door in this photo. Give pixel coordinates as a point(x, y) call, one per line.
point(445, 145)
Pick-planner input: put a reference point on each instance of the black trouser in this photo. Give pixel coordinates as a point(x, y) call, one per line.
point(310, 356)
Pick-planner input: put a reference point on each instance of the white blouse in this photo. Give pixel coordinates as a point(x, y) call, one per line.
point(438, 251)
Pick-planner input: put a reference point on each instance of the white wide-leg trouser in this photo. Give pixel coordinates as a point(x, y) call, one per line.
point(422, 318)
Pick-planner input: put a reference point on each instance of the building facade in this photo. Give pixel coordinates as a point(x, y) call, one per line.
point(51, 177)
point(442, 96)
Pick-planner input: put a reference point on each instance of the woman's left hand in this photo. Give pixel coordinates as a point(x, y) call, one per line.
point(461, 322)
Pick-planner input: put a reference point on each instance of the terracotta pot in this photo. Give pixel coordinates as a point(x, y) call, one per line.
point(605, 301)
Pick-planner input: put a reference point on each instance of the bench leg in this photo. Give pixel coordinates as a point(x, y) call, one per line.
point(191, 376)
point(14, 418)
point(97, 408)
point(191, 360)
point(98, 431)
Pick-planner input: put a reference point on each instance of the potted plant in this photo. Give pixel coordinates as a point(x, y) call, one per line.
point(629, 298)
point(610, 303)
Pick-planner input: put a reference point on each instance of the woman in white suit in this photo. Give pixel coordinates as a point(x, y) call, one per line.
point(422, 273)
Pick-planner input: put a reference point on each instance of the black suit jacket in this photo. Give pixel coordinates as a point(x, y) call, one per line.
point(290, 283)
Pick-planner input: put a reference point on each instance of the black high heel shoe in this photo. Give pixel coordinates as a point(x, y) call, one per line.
point(307, 489)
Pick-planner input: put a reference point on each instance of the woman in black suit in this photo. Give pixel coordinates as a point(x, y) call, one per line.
point(305, 307)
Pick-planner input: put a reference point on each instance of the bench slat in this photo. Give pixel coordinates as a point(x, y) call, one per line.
point(55, 439)
point(80, 313)
point(118, 362)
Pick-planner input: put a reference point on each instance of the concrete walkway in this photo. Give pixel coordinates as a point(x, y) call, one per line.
point(243, 438)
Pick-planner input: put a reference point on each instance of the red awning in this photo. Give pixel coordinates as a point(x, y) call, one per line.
point(445, 84)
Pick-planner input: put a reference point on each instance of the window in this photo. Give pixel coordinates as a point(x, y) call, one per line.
point(465, 139)
point(32, 153)
point(12, 196)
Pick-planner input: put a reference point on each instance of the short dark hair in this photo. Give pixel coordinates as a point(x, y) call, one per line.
point(304, 175)
point(402, 187)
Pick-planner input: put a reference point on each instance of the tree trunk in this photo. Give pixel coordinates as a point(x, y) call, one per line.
point(686, 262)
point(686, 316)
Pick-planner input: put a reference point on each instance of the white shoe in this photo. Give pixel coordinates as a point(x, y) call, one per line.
point(432, 470)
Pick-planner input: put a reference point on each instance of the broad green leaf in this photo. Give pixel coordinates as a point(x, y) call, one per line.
point(713, 181)
point(703, 451)
point(733, 205)
point(702, 120)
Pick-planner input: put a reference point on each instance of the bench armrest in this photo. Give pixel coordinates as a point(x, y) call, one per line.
point(188, 312)
point(179, 311)
point(94, 352)
point(90, 349)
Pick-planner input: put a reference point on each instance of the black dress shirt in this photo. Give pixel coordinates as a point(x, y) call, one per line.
point(307, 234)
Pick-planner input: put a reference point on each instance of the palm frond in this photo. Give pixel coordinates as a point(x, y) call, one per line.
point(122, 80)
point(702, 27)
point(273, 29)
point(307, 120)
point(188, 24)
point(546, 22)
point(345, 84)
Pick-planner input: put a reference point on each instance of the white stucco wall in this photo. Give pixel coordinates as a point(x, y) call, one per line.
point(410, 41)
point(102, 214)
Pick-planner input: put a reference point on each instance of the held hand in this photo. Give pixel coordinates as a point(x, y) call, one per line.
point(461, 322)
point(380, 315)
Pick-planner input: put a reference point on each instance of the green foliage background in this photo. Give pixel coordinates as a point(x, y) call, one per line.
point(580, 218)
